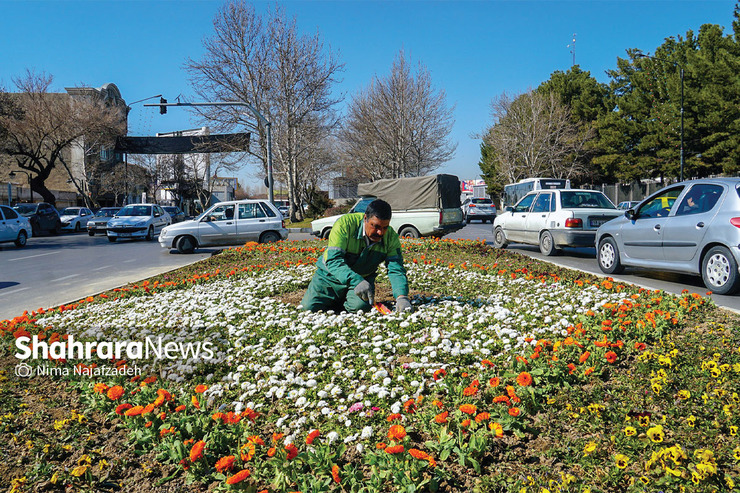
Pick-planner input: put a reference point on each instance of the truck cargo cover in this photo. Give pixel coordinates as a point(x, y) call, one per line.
point(423, 192)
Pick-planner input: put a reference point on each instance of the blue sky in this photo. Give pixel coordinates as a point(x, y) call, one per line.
point(475, 50)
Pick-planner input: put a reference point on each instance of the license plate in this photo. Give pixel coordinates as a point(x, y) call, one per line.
point(595, 223)
point(124, 235)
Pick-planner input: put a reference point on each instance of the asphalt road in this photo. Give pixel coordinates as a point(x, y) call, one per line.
point(51, 270)
point(584, 259)
point(54, 270)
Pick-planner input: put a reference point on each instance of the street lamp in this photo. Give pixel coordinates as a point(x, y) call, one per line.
point(642, 55)
point(125, 155)
point(270, 182)
point(30, 191)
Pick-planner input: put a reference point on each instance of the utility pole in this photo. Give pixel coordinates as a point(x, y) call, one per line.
point(572, 47)
point(270, 182)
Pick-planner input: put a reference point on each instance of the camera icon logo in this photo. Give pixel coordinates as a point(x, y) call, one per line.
point(23, 370)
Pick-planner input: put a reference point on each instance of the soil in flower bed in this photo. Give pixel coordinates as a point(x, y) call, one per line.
point(383, 294)
point(42, 433)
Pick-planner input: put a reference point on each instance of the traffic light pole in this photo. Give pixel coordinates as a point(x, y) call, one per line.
point(270, 183)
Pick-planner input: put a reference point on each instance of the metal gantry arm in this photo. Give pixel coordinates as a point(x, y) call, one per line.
point(264, 120)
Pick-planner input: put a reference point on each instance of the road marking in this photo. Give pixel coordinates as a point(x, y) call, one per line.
point(64, 278)
point(132, 260)
point(3, 293)
point(103, 267)
point(31, 256)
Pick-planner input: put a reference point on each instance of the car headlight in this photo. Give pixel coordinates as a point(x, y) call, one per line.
point(141, 224)
point(163, 233)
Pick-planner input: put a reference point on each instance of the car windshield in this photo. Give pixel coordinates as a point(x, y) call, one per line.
point(135, 210)
point(482, 201)
point(361, 206)
point(25, 209)
point(106, 213)
point(170, 209)
point(589, 200)
point(71, 211)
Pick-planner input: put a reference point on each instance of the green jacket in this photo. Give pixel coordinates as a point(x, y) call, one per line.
point(348, 261)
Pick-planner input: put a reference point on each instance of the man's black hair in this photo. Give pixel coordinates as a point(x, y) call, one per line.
point(378, 208)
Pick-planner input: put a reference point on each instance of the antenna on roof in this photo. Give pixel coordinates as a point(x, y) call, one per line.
point(572, 47)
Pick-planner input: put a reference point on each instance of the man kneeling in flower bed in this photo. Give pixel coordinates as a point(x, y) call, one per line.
point(345, 273)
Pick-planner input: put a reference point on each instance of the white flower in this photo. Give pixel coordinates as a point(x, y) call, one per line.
point(332, 436)
point(367, 432)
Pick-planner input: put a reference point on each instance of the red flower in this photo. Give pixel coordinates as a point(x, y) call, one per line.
point(439, 374)
point(393, 417)
point(611, 356)
point(134, 411)
point(396, 449)
point(123, 407)
point(225, 463)
point(271, 451)
point(441, 418)
point(199, 389)
point(524, 379)
point(584, 357)
point(194, 401)
point(335, 473)
point(292, 451)
point(312, 436)
point(482, 417)
point(494, 382)
point(238, 477)
point(115, 392)
point(514, 411)
point(468, 408)
point(197, 451)
point(397, 432)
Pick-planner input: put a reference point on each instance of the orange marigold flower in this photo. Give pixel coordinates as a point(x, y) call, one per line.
point(180, 408)
point(439, 374)
point(640, 346)
point(584, 357)
point(409, 406)
point(149, 408)
point(486, 363)
point(159, 401)
point(123, 407)
point(115, 392)
point(465, 423)
point(292, 451)
point(571, 368)
point(271, 451)
point(441, 418)
point(396, 449)
point(238, 477)
point(510, 390)
point(166, 431)
point(150, 379)
point(276, 437)
point(470, 390)
point(418, 454)
point(194, 401)
point(468, 408)
point(256, 439)
point(148, 424)
point(100, 388)
point(217, 416)
point(397, 432)
point(524, 379)
point(246, 452)
point(381, 446)
point(199, 389)
point(494, 382)
point(312, 436)
point(335, 473)
point(514, 411)
point(611, 356)
point(225, 463)
point(134, 411)
point(437, 403)
point(197, 451)
point(497, 429)
point(482, 417)
point(393, 417)
point(589, 371)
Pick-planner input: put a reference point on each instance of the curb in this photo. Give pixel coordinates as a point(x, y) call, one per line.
point(299, 230)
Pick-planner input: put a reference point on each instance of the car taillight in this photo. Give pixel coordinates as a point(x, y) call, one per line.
point(472, 205)
point(573, 222)
point(282, 223)
point(735, 221)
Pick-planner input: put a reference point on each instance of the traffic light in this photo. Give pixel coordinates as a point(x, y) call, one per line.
point(162, 108)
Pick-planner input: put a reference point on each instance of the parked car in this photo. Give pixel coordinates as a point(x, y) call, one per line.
point(75, 218)
point(99, 222)
point(42, 216)
point(479, 208)
point(137, 221)
point(284, 210)
point(627, 204)
point(692, 227)
point(554, 219)
point(422, 206)
point(227, 223)
point(175, 213)
point(14, 227)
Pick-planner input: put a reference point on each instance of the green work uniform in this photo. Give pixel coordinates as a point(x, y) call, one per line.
point(347, 261)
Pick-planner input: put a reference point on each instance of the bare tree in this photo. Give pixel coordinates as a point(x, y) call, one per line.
point(533, 135)
point(286, 76)
point(398, 126)
point(44, 127)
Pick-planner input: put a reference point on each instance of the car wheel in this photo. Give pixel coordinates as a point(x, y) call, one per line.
point(719, 271)
point(608, 256)
point(499, 238)
point(78, 228)
point(150, 233)
point(112, 239)
point(325, 234)
point(547, 244)
point(20, 242)
point(409, 232)
point(467, 220)
point(269, 237)
point(186, 244)
point(91, 233)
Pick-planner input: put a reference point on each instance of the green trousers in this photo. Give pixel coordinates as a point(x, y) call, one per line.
point(325, 293)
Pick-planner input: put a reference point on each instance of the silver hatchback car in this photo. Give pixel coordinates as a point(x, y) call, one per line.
point(691, 227)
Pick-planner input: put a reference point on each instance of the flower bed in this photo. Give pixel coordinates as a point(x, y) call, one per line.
point(505, 376)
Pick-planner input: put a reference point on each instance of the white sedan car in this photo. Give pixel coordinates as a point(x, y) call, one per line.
point(227, 223)
point(75, 218)
point(554, 219)
point(14, 227)
point(137, 221)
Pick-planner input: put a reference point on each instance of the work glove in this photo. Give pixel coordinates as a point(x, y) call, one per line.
point(403, 304)
point(365, 292)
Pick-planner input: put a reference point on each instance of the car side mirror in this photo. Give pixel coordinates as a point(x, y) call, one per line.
point(630, 214)
point(509, 209)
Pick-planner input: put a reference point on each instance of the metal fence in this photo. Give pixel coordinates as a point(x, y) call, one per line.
point(620, 192)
